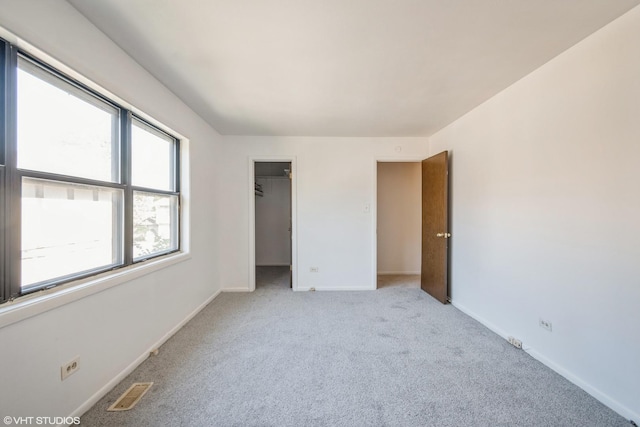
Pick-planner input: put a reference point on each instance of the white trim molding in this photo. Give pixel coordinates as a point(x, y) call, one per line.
point(374, 209)
point(252, 216)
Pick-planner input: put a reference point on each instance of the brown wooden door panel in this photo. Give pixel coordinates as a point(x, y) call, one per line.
point(435, 226)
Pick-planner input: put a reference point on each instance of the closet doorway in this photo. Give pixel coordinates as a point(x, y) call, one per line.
point(399, 215)
point(273, 225)
point(412, 201)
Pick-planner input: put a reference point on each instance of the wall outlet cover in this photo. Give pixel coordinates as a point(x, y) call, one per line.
point(545, 324)
point(515, 342)
point(69, 368)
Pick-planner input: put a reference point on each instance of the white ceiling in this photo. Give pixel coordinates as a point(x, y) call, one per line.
point(343, 67)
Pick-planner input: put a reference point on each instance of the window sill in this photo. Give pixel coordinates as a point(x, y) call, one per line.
point(39, 302)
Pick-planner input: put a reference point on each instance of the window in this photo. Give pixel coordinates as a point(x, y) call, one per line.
point(155, 200)
point(63, 129)
point(68, 229)
point(86, 186)
point(154, 224)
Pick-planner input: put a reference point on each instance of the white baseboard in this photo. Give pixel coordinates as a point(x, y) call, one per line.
point(398, 273)
point(238, 289)
point(494, 328)
point(607, 400)
point(134, 364)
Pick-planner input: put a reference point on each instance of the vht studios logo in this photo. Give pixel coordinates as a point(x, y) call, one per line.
point(41, 421)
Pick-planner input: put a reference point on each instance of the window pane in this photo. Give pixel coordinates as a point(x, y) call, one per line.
point(155, 223)
point(151, 158)
point(68, 229)
point(64, 130)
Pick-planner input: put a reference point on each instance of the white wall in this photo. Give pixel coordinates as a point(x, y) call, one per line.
point(335, 183)
point(115, 328)
point(546, 208)
point(544, 219)
point(399, 217)
point(273, 218)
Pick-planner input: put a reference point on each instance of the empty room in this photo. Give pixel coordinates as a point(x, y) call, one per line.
point(327, 213)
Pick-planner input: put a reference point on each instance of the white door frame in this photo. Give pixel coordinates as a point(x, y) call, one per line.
point(252, 218)
point(374, 210)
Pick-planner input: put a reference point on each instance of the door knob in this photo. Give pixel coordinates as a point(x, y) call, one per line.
point(445, 235)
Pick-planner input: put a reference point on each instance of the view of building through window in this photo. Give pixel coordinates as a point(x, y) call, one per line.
point(68, 228)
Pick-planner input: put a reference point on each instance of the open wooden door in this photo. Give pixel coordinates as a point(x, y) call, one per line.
point(435, 226)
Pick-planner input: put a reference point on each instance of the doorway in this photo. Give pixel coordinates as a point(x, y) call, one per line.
point(398, 224)
point(273, 225)
point(396, 228)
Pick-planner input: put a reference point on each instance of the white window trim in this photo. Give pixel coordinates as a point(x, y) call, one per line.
point(40, 302)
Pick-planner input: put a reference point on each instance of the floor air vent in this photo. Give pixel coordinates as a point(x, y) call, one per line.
point(130, 397)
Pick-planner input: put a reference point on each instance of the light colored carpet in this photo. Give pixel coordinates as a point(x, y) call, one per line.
point(398, 281)
point(273, 277)
point(391, 357)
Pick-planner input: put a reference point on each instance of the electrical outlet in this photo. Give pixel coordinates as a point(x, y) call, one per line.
point(545, 324)
point(69, 368)
point(515, 342)
point(313, 269)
